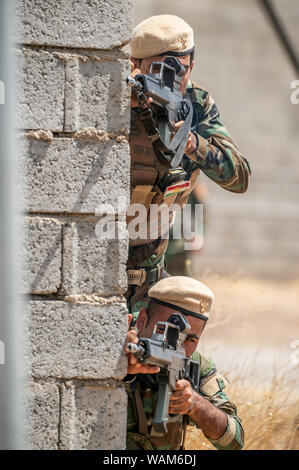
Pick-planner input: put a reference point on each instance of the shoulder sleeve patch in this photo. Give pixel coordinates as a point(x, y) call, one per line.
point(213, 384)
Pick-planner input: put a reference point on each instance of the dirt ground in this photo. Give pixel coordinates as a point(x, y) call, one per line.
point(253, 318)
point(252, 336)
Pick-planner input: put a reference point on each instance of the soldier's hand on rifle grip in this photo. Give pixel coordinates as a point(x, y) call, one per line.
point(191, 142)
point(135, 367)
point(183, 399)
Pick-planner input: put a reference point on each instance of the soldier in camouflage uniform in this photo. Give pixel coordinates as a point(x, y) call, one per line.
point(209, 410)
point(209, 149)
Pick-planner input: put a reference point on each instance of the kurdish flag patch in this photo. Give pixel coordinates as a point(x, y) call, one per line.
point(177, 188)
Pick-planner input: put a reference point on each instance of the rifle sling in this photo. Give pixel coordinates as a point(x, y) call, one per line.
point(153, 133)
point(169, 157)
point(142, 421)
point(180, 139)
point(184, 432)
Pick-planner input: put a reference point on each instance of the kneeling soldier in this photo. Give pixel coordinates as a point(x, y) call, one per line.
point(210, 409)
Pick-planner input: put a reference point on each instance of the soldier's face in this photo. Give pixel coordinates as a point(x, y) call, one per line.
point(161, 313)
point(145, 64)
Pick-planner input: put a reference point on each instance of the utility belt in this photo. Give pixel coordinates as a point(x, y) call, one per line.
point(141, 276)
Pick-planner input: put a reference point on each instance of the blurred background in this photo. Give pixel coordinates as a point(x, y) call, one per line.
point(250, 251)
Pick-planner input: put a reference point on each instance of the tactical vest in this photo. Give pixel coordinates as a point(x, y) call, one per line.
point(146, 173)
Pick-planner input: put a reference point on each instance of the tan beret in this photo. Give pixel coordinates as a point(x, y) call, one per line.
point(159, 34)
point(187, 295)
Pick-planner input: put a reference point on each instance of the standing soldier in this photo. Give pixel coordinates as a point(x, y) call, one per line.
point(209, 148)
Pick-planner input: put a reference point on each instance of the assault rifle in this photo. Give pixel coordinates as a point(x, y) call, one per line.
point(169, 106)
point(165, 349)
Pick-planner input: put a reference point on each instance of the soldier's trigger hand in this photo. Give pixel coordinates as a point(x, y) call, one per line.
point(191, 142)
point(141, 368)
point(134, 101)
point(131, 337)
point(183, 399)
point(135, 367)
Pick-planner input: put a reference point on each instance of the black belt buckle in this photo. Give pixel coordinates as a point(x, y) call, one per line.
point(175, 175)
point(141, 276)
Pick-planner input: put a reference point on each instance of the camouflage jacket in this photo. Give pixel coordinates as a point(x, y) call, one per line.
point(211, 388)
point(216, 155)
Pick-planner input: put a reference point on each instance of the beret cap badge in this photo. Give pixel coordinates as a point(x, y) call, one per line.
point(204, 305)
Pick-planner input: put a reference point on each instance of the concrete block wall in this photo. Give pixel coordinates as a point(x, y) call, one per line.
point(73, 121)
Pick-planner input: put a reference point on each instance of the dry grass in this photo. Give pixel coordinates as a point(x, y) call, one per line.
point(270, 416)
point(253, 326)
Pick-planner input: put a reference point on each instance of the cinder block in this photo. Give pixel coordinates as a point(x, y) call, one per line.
point(93, 417)
point(101, 24)
point(97, 94)
point(40, 91)
point(81, 340)
point(42, 408)
point(92, 265)
point(72, 175)
point(41, 256)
